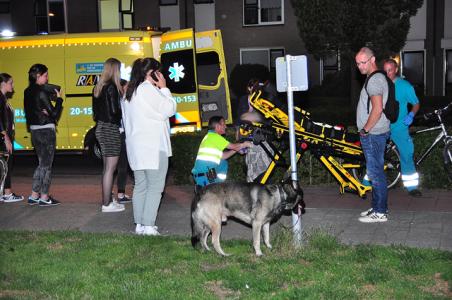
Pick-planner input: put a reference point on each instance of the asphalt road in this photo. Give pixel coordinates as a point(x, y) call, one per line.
point(64, 164)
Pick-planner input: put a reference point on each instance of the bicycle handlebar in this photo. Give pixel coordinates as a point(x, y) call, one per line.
point(438, 111)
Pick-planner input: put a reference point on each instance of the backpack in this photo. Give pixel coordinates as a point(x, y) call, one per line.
point(391, 108)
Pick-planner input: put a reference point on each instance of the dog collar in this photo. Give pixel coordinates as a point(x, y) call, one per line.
point(282, 195)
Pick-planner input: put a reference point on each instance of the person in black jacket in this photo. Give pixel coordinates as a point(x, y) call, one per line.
point(107, 114)
point(7, 131)
point(42, 110)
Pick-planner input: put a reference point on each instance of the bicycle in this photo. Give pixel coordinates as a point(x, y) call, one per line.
point(392, 156)
point(443, 136)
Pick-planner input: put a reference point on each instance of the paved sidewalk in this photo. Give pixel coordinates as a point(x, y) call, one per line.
point(417, 222)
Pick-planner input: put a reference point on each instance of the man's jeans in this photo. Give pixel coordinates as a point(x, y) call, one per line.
point(374, 146)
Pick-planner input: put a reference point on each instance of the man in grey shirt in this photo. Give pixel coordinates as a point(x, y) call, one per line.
point(374, 131)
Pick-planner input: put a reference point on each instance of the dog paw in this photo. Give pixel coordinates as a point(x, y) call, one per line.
point(269, 246)
point(259, 253)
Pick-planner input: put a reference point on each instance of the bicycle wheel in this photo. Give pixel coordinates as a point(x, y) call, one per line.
point(447, 154)
point(392, 167)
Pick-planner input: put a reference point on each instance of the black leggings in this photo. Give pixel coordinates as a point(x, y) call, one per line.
point(44, 142)
point(123, 166)
point(110, 163)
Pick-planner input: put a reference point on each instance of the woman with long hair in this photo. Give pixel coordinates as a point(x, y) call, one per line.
point(146, 112)
point(42, 116)
point(7, 130)
point(107, 114)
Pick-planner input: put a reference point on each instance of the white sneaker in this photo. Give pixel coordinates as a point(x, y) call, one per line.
point(12, 198)
point(139, 229)
point(115, 203)
point(367, 212)
point(150, 230)
point(112, 208)
point(374, 218)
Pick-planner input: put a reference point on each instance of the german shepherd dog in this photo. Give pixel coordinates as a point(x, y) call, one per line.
point(252, 203)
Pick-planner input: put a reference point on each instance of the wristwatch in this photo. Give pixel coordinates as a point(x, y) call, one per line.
point(363, 132)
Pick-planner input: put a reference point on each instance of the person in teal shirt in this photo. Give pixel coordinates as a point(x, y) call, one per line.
point(399, 130)
point(211, 164)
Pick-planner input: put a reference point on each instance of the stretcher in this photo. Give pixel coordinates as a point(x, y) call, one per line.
point(336, 148)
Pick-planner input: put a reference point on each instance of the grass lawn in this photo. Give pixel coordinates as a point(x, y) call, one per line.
point(75, 265)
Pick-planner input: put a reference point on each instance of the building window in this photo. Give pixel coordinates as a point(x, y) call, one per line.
point(413, 69)
point(167, 2)
point(50, 16)
point(263, 12)
point(56, 16)
point(330, 64)
point(448, 77)
point(126, 10)
point(109, 15)
point(115, 14)
point(202, 1)
point(261, 56)
point(4, 7)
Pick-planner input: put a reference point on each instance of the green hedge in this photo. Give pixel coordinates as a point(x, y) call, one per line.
point(310, 170)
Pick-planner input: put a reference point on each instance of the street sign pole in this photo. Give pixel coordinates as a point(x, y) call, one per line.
point(296, 217)
point(292, 75)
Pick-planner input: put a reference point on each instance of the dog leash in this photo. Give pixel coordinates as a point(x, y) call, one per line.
point(298, 219)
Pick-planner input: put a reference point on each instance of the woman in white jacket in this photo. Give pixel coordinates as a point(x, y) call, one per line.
point(147, 107)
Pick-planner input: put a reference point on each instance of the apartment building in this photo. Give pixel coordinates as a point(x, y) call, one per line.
point(254, 31)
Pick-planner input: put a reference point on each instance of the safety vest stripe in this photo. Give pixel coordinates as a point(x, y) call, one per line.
point(210, 158)
point(211, 151)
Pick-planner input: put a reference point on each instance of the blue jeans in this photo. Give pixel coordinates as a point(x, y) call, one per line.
point(374, 146)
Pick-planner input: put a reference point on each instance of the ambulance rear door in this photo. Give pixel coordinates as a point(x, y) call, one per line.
point(177, 56)
point(213, 88)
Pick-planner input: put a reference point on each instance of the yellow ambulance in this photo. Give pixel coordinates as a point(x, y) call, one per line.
point(193, 64)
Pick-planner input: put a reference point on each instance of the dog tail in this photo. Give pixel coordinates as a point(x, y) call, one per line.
point(195, 228)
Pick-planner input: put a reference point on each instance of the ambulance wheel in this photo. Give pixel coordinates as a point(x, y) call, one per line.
point(92, 148)
point(96, 151)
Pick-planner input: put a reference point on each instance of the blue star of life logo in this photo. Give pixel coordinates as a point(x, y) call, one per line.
point(176, 72)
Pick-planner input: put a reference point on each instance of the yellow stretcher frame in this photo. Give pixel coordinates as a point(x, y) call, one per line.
point(279, 125)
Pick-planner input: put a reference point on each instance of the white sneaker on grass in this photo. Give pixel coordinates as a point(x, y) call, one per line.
point(139, 229)
point(150, 230)
point(374, 218)
point(112, 208)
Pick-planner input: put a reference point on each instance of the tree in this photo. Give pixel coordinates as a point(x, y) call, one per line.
point(344, 26)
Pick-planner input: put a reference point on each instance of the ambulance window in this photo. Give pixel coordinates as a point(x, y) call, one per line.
point(208, 68)
point(179, 70)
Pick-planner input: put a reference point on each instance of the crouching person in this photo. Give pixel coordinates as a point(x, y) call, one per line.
point(211, 164)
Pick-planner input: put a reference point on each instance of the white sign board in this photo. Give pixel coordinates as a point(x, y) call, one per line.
point(299, 73)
